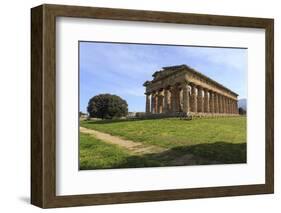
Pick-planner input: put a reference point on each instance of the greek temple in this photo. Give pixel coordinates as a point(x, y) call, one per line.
point(181, 89)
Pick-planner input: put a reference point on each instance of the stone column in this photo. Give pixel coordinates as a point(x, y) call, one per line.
point(227, 105)
point(193, 99)
point(173, 99)
point(220, 104)
point(212, 101)
point(185, 98)
point(223, 103)
point(177, 92)
point(156, 102)
point(236, 107)
point(181, 99)
point(153, 102)
point(177, 98)
point(147, 106)
point(165, 107)
point(160, 102)
point(200, 101)
point(206, 101)
point(216, 103)
point(169, 100)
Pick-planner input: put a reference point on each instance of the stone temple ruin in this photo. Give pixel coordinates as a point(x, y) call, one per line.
point(181, 89)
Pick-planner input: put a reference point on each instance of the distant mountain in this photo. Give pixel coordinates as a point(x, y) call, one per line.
point(242, 103)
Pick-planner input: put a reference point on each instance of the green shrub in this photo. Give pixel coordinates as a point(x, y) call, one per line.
point(107, 106)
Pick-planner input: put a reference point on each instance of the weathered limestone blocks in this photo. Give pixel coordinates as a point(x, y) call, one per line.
point(200, 100)
point(193, 99)
point(180, 89)
point(185, 98)
point(206, 101)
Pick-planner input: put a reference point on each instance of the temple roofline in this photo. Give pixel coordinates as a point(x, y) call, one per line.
point(183, 67)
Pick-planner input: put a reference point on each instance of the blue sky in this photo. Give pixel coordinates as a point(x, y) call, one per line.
point(121, 69)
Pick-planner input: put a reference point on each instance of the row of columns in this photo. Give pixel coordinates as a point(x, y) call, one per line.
point(189, 98)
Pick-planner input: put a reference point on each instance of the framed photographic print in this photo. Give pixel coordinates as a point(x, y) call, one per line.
point(136, 106)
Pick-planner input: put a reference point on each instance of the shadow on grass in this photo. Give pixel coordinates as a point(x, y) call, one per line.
point(221, 152)
point(201, 154)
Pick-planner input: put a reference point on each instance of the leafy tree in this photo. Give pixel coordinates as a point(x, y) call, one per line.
point(107, 106)
point(242, 111)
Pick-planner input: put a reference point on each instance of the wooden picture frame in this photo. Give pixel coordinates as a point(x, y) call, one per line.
point(43, 105)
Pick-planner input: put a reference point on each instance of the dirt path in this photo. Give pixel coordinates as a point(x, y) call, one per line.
point(138, 148)
point(132, 146)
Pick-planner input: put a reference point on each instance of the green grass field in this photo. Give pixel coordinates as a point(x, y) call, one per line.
point(208, 140)
point(95, 154)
